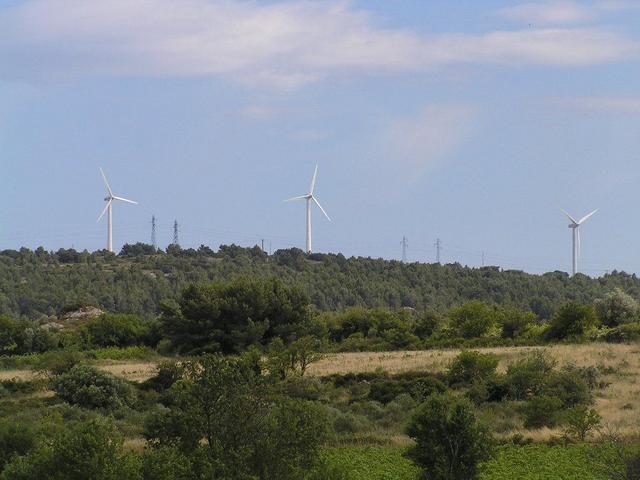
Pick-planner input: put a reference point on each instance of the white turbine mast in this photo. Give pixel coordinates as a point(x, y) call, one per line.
point(575, 227)
point(309, 197)
point(109, 208)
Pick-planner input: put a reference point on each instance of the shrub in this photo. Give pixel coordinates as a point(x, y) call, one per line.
point(57, 362)
point(110, 330)
point(628, 332)
point(473, 319)
point(571, 320)
point(527, 377)
point(88, 387)
point(569, 387)
point(16, 438)
point(515, 321)
point(471, 366)
point(617, 308)
point(542, 411)
point(440, 422)
point(90, 449)
point(580, 421)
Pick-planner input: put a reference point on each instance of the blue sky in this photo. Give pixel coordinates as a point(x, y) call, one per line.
point(472, 122)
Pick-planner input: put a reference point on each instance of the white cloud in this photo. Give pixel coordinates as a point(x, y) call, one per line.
point(258, 112)
point(551, 12)
point(564, 12)
point(618, 105)
point(285, 44)
point(422, 141)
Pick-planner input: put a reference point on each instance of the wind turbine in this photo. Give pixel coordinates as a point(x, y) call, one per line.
point(109, 208)
point(575, 226)
point(309, 197)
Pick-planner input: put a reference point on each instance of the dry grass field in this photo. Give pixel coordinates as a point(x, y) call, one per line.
point(619, 403)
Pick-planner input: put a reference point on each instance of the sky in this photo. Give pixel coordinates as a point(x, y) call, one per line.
point(469, 122)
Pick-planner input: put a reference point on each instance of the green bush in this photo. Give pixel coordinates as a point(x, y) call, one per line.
point(109, 330)
point(572, 320)
point(57, 362)
point(528, 376)
point(88, 387)
point(16, 438)
point(542, 411)
point(88, 450)
point(437, 424)
point(473, 319)
point(569, 387)
point(617, 308)
point(471, 366)
point(515, 321)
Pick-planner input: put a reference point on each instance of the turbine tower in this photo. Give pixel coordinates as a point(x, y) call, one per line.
point(309, 197)
point(108, 208)
point(575, 226)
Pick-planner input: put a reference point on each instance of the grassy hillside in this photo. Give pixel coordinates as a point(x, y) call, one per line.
point(37, 283)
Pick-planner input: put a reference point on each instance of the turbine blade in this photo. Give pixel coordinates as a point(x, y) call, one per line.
point(587, 216)
point(313, 181)
point(104, 211)
point(320, 207)
point(106, 182)
point(570, 217)
point(125, 200)
point(295, 198)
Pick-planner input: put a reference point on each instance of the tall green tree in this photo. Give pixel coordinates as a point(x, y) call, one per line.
point(450, 444)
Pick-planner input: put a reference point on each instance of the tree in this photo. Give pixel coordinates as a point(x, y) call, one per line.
point(617, 308)
point(572, 319)
point(580, 421)
point(89, 387)
point(450, 444)
point(515, 321)
point(469, 367)
point(231, 316)
point(249, 431)
point(473, 319)
point(92, 449)
point(116, 330)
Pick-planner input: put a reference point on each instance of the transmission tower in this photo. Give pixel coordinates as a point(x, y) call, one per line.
point(153, 232)
point(176, 240)
point(405, 245)
point(438, 246)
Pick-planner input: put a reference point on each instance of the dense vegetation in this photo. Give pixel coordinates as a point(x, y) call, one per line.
point(240, 328)
point(39, 283)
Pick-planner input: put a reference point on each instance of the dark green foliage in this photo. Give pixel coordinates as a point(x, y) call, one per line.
point(450, 444)
point(89, 450)
point(249, 431)
point(57, 362)
point(418, 385)
point(471, 366)
point(572, 320)
point(137, 250)
point(473, 319)
point(528, 376)
point(16, 438)
point(361, 329)
point(23, 337)
point(111, 330)
point(515, 321)
point(34, 284)
point(569, 387)
point(542, 411)
point(88, 387)
point(231, 316)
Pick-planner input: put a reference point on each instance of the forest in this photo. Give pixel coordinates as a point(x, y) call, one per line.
point(36, 284)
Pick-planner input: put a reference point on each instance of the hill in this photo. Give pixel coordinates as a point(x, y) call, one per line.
point(38, 283)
